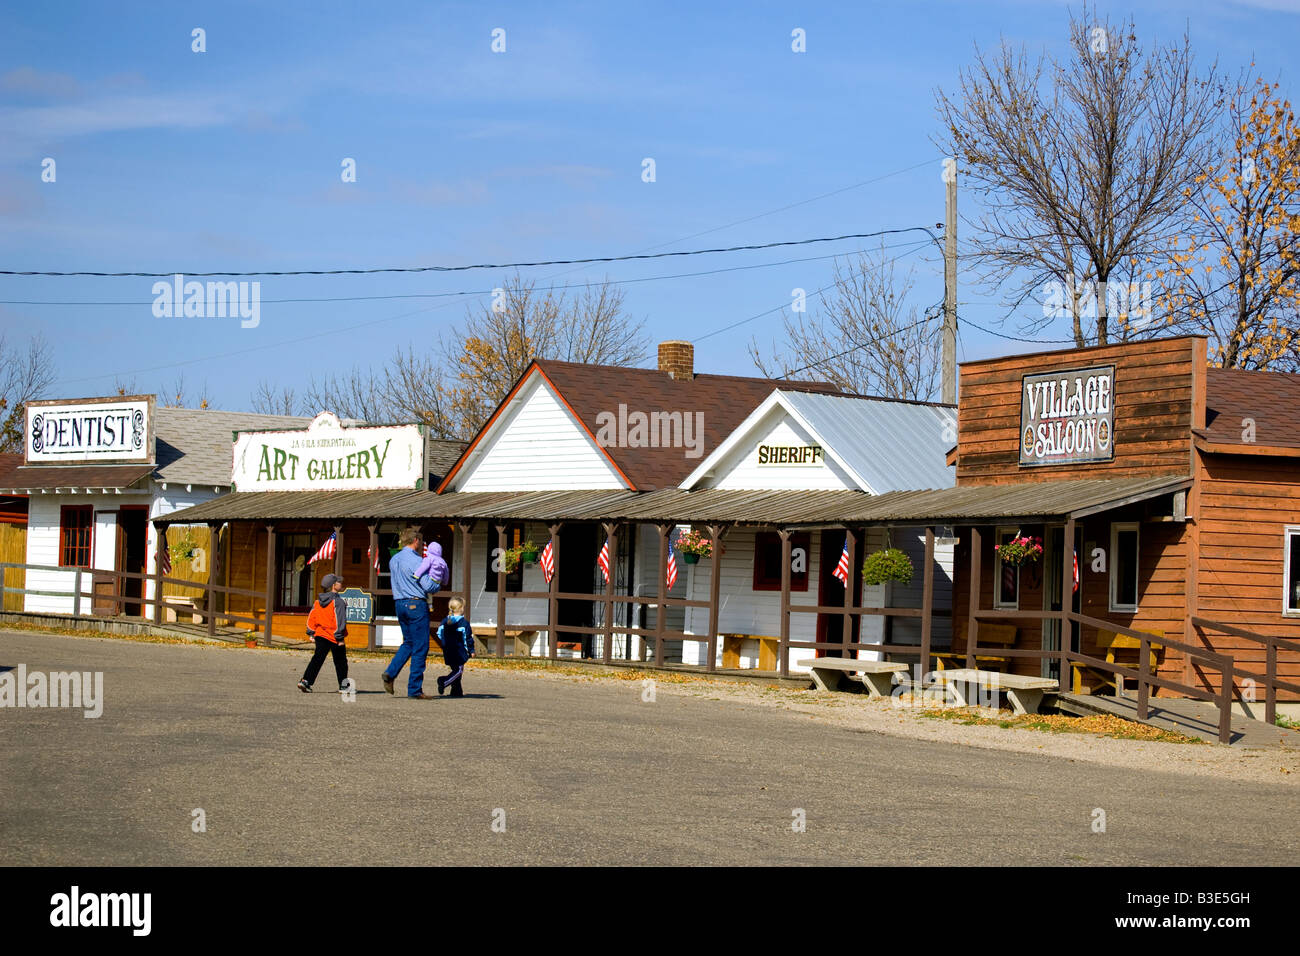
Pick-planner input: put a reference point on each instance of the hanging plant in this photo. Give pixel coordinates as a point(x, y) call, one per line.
point(526, 552)
point(692, 544)
point(888, 564)
point(1020, 551)
point(185, 548)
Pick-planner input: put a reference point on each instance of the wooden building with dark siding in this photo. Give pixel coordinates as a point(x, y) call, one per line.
point(1202, 565)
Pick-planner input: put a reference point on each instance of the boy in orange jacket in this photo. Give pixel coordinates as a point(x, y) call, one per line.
point(327, 624)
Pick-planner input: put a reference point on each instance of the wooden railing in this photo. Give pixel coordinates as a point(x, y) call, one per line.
point(1269, 678)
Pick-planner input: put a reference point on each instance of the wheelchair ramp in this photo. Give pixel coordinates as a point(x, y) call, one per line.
point(1194, 718)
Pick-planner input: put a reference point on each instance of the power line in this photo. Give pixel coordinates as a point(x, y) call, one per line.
point(481, 265)
point(481, 292)
point(778, 308)
point(925, 317)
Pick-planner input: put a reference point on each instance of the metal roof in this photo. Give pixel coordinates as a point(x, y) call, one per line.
point(1046, 499)
point(892, 445)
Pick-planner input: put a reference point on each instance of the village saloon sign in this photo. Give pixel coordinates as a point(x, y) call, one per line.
point(1067, 417)
point(328, 456)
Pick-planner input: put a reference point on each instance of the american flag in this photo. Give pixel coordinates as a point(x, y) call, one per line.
point(374, 558)
point(670, 570)
point(166, 555)
point(326, 550)
point(1076, 570)
point(547, 561)
point(842, 569)
point(603, 560)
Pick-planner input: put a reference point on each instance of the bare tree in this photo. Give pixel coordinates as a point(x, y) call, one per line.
point(267, 400)
point(866, 338)
point(493, 348)
point(1080, 166)
point(25, 374)
point(177, 396)
point(359, 393)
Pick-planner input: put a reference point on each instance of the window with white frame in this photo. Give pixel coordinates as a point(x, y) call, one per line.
point(1006, 577)
point(1124, 566)
point(1291, 570)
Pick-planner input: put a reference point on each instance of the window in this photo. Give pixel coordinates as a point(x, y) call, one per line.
point(767, 560)
point(1291, 570)
point(76, 526)
point(1006, 578)
point(296, 577)
point(1124, 566)
point(514, 538)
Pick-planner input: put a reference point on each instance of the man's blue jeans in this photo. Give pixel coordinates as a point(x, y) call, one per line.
point(413, 618)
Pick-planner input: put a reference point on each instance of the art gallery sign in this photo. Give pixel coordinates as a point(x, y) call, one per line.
point(329, 456)
point(119, 429)
point(1067, 417)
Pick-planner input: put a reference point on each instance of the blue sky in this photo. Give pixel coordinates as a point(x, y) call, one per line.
point(170, 160)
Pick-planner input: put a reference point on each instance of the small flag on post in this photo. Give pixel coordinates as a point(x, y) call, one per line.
point(326, 550)
point(670, 571)
point(842, 569)
point(166, 555)
point(547, 561)
point(603, 561)
point(1076, 571)
point(374, 558)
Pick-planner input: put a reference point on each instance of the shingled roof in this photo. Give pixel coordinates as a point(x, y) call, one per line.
point(1270, 399)
point(193, 445)
point(589, 390)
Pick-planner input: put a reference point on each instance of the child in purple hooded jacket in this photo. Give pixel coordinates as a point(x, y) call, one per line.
point(434, 565)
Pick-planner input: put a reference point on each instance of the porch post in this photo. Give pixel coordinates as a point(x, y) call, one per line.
point(338, 550)
point(214, 575)
point(783, 644)
point(373, 574)
point(553, 603)
point(661, 612)
point(501, 591)
point(715, 579)
point(927, 605)
point(846, 632)
point(270, 583)
point(158, 571)
point(466, 543)
point(611, 536)
point(1067, 603)
point(972, 624)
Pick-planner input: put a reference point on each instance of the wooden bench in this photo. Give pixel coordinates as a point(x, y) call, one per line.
point(876, 676)
point(1110, 642)
point(518, 643)
point(1023, 693)
point(767, 650)
point(1004, 634)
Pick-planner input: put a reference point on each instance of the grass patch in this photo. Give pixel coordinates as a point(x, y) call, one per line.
point(1286, 722)
point(1103, 725)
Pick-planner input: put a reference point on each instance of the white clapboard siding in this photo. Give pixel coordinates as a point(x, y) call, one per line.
point(741, 470)
point(537, 445)
point(648, 575)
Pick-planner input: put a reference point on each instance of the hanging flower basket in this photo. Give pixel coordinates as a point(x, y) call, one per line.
point(692, 546)
point(1019, 551)
point(889, 564)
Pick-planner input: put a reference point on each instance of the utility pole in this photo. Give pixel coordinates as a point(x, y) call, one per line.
point(949, 370)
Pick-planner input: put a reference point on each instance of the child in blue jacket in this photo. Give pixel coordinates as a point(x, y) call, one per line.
point(457, 647)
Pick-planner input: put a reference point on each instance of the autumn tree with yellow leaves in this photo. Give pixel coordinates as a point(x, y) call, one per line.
point(1233, 274)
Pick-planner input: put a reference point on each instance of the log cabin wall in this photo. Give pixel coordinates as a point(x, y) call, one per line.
point(247, 569)
point(1246, 502)
point(1159, 397)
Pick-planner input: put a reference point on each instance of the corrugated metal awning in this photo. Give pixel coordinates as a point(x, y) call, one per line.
point(1046, 499)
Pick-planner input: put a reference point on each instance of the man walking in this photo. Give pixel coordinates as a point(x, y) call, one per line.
point(412, 615)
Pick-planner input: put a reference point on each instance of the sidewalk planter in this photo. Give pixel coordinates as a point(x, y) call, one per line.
point(250, 642)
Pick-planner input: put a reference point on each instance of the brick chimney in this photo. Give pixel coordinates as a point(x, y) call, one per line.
point(677, 359)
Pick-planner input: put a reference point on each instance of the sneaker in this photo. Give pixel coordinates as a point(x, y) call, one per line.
point(304, 686)
point(418, 697)
point(388, 682)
